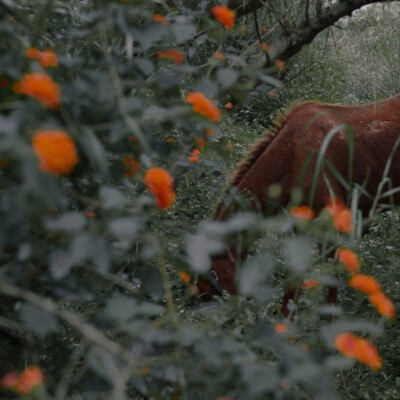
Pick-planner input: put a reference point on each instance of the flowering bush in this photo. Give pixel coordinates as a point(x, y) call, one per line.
point(111, 113)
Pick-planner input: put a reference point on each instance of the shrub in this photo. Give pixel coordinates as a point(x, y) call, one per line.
point(102, 159)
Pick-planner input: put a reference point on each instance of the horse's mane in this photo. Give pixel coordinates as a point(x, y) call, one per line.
point(257, 149)
point(261, 145)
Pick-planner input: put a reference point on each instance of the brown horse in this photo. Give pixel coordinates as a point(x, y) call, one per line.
point(374, 129)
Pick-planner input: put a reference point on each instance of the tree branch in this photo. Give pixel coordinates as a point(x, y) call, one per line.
point(287, 45)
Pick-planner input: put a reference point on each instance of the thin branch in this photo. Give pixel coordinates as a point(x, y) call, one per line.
point(8, 324)
point(67, 374)
point(257, 28)
point(129, 121)
point(89, 332)
point(112, 278)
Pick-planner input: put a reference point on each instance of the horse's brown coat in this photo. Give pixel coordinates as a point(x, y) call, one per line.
point(302, 130)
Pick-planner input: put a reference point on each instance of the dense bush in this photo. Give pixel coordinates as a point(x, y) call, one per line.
point(108, 110)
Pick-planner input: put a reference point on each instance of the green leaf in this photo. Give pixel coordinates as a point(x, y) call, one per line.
point(94, 149)
point(259, 378)
point(102, 254)
point(149, 309)
point(60, 263)
point(146, 67)
point(68, 222)
point(151, 281)
point(227, 77)
point(298, 251)
point(329, 331)
point(199, 249)
point(148, 37)
point(8, 126)
point(253, 276)
point(239, 222)
point(338, 363)
point(121, 307)
point(125, 228)
point(305, 372)
point(111, 198)
point(183, 29)
point(37, 320)
point(81, 248)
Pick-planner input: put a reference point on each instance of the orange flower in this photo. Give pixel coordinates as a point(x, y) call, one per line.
point(170, 140)
point(310, 283)
point(228, 105)
point(25, 382)
point(160, 19)
point(230, 146)
point(29, 378)
point(383, 305)
point(195, 156)
point(266, 47)
point(185, 276)
point(365, 283)
point(41, 87)
point(219, 55)
point(56, 151)
point(9, 380)
point(283, 384)
point(132, 166)
point(349, 259)
point(224, 15)
point(356, 347)
point(201, 142)
point(174, 55)
point(91, 214)
point(280, 65)
point(281, 328)
point(341, 215)
point(209, 132)
point(145, 370)
point(46, 58)
point(33, 53)
point(305, 346)
point(160, 183)
point(204, 106)
point(368, 355)
point(302, 212)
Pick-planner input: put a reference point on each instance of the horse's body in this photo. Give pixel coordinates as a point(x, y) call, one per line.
point(376, 128)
